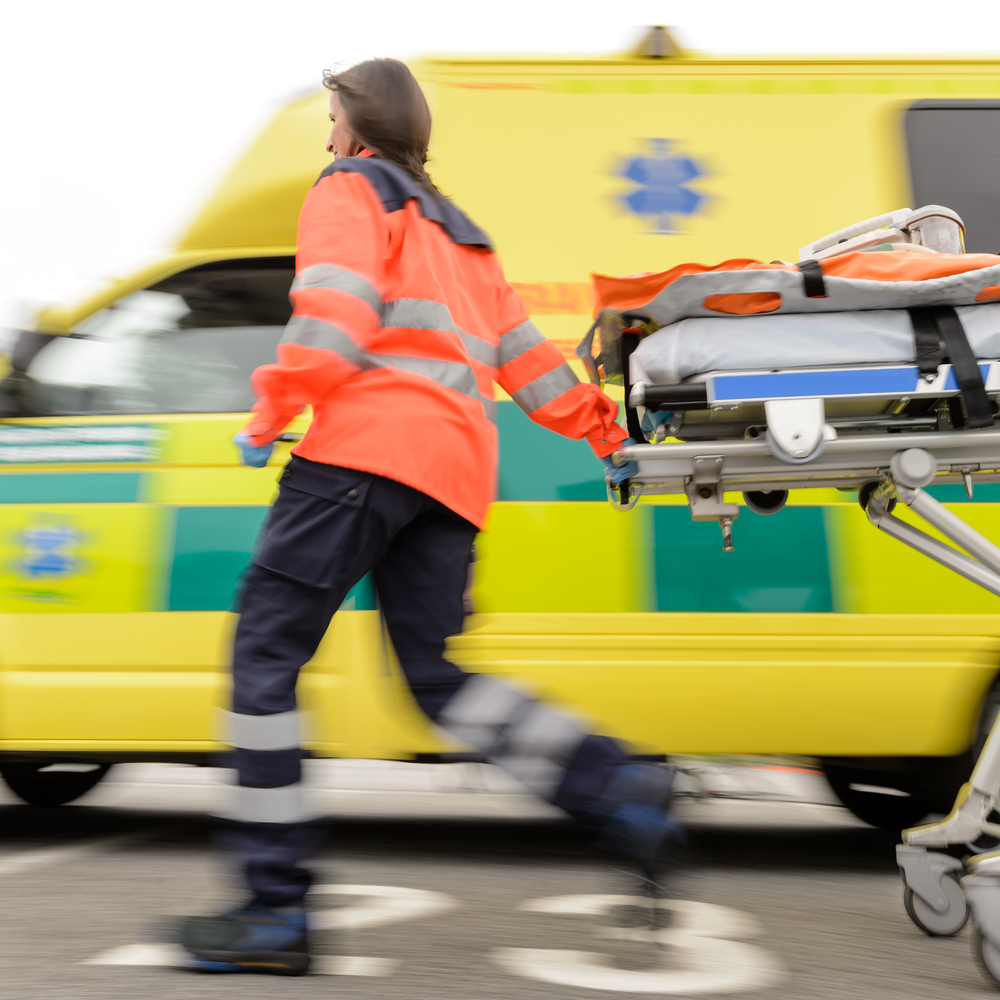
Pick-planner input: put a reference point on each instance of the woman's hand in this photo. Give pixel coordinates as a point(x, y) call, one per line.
point(255, 456)
point(616, 474)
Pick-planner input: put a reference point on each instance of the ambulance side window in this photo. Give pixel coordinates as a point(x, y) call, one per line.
point(185, 345)
point(954, 151)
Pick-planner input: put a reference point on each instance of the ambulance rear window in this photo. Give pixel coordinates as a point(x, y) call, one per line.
point(954, 150)
point(185, 345)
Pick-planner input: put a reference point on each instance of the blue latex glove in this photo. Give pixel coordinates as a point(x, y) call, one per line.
point(651, 420)
point(615, 474)
point(250, 454)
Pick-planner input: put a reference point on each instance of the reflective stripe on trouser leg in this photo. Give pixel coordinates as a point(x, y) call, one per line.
point(269, 766)
point(280, 731)
point(269, 827)
point(268, 805)
point(534, 743)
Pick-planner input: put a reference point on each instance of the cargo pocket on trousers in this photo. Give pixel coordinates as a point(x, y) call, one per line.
point(317, 540)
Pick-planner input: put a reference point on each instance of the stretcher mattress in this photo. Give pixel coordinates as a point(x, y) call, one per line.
point(695, 346)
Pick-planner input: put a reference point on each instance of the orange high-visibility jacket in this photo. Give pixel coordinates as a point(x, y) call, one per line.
point(403, 320)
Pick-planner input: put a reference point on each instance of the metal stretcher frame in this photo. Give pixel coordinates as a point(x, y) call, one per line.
point(891, 466)
point(941, 890)
point(847, 463)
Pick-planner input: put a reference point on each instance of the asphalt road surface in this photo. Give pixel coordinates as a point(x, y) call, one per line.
point(447, 883)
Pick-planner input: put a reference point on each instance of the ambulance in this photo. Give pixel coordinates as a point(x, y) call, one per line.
point(126, 520)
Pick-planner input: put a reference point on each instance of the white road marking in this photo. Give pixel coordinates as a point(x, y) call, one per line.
point(141, 954)
point(174, 956)
point(353, 965)
point(586, 970)
point(26, 860)
point(698, 950)
point(379, 904)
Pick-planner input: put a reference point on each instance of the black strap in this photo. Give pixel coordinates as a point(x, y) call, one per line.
point(812, 279)
point(585, 352)
point(964, 365)
point(927, 340)
point(629, 342)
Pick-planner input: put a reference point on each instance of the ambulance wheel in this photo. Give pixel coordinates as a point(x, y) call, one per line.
point(882, 809)
point(39, 787)
point(987, 956)
point(931, 922)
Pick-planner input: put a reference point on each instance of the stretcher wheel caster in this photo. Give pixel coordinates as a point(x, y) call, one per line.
point(987, 956)
point(765, 501)
point(865, 494)
point(945, 924)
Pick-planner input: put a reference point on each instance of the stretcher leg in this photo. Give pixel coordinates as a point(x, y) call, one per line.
point(982, 890)
point(934, 900)
point(910, 471)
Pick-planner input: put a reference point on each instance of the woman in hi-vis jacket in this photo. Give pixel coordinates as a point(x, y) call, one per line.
point(403, 320)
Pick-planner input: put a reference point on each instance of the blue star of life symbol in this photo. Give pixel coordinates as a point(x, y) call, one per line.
point(662, 180)
point(50, 550)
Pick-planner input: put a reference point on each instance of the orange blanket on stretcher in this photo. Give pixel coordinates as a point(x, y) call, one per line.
point(631, 291)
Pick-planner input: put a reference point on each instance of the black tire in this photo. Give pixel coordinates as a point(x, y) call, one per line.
point(49, 788)
point(933, 782)
point(885, 811)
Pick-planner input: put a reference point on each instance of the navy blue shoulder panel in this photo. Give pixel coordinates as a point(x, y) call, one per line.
point(396, 187)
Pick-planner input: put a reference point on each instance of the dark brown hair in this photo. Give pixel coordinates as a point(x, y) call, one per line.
point(387, 112)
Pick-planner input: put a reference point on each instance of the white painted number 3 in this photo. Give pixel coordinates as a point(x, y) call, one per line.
point(701, 944)
point(701, 951)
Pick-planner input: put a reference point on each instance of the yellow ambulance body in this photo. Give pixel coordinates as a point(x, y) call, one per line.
point(125, 520)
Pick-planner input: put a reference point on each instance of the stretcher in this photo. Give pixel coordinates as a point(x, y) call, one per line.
point(872, 364)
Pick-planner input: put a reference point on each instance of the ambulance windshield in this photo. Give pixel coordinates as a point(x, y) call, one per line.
point(187, 345)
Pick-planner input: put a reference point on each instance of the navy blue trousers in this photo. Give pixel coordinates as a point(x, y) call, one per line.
point(328, 528)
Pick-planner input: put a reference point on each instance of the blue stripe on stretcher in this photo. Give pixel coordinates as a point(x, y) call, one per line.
point(874, 382)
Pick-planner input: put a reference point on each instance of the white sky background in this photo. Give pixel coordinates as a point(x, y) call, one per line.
point(119, 116)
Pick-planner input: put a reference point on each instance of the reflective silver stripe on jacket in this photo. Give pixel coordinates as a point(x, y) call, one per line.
point(451, 374)
point(328, 276)
point(545, 388)
point(531, 741)
point(318, 333)
point(267, 805)
point(425, 314)
point(519, 341)
point(262, 732)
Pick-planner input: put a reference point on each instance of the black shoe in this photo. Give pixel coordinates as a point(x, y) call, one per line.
point(634, 813)
point(637, 828)
point(256, 938)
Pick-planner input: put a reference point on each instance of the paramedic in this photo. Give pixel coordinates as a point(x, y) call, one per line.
point(402, 321)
